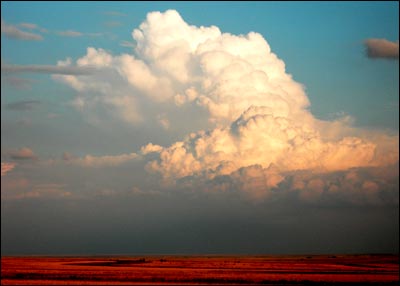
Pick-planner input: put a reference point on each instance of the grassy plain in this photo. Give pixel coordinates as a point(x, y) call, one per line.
point(204, 270)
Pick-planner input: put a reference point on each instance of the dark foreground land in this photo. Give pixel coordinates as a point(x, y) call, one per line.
point(202, 270)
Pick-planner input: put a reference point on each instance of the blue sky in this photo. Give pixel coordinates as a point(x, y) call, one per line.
point(188, 105)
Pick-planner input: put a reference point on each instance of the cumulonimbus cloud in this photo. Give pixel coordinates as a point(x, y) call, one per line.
point(382, 48)
point(261, 127)
point(13, 32)
point(184, 65)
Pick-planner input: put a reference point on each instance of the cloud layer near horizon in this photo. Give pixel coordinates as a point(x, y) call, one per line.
point(260, 135)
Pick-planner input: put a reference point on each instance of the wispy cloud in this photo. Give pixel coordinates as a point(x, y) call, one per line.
point(7, 167)
point(70, 33)
point(29, 26)
point(64, 70)
point(23, 153)
point(23, 105)
point(99, 161)
point(32, 26)
point(382, 48)
point(77, 34)
point(112, 24)
point(49, 190)
point(13, 32)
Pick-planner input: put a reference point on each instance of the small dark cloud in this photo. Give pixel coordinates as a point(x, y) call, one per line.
point(23, 105)
point(382, 48)
point(23, 154)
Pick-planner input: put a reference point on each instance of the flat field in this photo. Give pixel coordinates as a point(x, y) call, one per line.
point(202, 270)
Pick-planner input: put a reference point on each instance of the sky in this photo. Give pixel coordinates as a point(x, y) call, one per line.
point(199, 128)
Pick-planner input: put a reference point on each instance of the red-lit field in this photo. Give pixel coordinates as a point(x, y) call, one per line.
point(206, 270)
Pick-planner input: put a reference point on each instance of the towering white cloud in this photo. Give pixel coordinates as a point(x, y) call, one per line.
point(261, 128)
point(182, 64)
